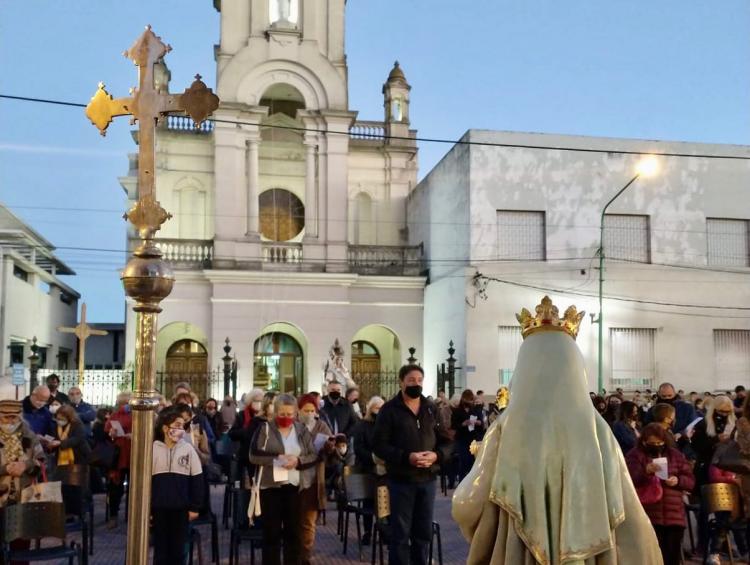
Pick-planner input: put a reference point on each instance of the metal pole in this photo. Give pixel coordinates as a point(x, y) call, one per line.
point(600, 320)
point(227, 366)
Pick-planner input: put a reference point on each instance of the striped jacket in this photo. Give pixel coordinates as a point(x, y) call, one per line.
point(177, 482)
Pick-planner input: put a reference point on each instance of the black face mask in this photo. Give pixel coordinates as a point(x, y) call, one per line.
point(721, 422)
point(413, 391)
point(666, 400)
point(334, 395)
point(654, 450)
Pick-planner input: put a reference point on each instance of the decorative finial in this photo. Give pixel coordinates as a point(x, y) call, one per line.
point(548, 319)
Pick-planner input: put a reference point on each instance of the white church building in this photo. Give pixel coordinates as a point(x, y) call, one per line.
point(295, 224)
point(289, 226)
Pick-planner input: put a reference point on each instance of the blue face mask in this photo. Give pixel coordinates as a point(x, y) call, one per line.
point(127, 408)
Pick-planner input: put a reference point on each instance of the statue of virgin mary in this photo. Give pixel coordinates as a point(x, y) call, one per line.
point(549, 485)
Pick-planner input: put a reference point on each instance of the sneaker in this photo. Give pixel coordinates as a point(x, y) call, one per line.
point(713, 559)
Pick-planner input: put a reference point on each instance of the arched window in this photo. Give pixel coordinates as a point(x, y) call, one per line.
point(397, 110)
point(193, 213)
point(283, 12)
point(278, 363)
point(364, 227)
point(282, 215)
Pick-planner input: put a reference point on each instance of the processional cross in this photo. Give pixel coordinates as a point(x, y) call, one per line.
point(82, 331)
point(147, 278)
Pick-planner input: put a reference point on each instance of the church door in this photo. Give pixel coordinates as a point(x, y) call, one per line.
point(366, 368)
point(187, 361)
point(278, 363)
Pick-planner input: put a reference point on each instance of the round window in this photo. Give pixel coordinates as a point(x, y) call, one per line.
point(282, 215)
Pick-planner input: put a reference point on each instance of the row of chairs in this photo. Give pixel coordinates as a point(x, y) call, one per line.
point(364, 496)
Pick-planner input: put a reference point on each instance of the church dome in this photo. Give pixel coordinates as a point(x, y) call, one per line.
point(396, 74)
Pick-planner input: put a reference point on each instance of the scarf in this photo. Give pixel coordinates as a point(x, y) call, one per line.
point(64, 456)
point(248, 416)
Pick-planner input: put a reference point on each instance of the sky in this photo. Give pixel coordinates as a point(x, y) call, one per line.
point(672, 70)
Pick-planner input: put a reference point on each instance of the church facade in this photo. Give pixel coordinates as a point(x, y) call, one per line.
point(289, 226)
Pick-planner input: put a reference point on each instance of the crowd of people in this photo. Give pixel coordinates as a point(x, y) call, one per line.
point(294, 452)
point(672, 443)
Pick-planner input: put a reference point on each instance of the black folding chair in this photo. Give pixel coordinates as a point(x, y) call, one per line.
point(79, 503)
point(32, 522)
point(207, 518)
point(358, 489)
point(242, 530)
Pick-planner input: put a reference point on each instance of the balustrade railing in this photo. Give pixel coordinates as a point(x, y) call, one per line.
point(386, 260)
point(187, 253)
point(282, 253)
point(367, 130)
point(186, 124)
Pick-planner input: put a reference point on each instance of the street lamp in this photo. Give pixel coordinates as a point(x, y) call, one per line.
point(647, 167)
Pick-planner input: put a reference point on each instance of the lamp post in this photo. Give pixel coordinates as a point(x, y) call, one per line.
point(227, 359)
point(33, 365)
point(646, 168)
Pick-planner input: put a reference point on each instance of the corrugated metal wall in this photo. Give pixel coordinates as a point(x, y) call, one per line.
point(731, 358)
point(633, 359)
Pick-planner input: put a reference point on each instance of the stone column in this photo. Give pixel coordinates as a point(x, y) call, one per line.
point(252, 186)
point(311, 197)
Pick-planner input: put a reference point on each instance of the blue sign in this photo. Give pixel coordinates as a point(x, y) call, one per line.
point(19, 374)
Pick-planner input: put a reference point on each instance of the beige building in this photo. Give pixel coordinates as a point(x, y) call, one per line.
point(289, 225)
point(34, 300)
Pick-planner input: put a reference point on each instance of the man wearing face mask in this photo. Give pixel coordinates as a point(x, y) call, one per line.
point(337, 412)
point(85, 411)
point(684, 411)
point(20, 453)
point(405, 438)
point(36, 412)
point(53, 384)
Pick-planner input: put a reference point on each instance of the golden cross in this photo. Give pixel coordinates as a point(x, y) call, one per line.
point(149, 107)
point(82, 331)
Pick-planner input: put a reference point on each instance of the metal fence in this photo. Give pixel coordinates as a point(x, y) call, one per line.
point(385, 384)
point(101, 386)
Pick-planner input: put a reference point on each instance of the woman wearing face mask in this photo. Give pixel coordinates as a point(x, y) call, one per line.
point(667, 515)
point(468, 423)
point(177, 488)
point(717, 427)
point(365, 460)
point(627, 427)
point(612, 410)
point(242, 431)
point(285, 457)
point(119, 426)
point(70, 444)
point(314, 498)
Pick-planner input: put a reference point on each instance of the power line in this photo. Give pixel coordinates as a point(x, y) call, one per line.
point(423, 139)
point(480, 276)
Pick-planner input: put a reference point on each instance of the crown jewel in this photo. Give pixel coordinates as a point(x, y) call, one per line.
point(548, 319)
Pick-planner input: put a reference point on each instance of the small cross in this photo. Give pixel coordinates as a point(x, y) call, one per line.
point(82, 331)
point(148, 106)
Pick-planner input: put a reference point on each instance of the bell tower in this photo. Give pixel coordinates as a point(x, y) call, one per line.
point(396, 103)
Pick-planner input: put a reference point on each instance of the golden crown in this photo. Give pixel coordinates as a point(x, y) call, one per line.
point(548, 319)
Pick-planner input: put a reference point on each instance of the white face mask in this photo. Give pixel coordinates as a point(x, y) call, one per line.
point(256, 405)
point(307, 419)
point(10, 428)
point(176, 434)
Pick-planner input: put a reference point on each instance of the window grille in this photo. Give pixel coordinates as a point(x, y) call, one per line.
point(521, 235)
point(731, 358)
point(633, 360)
point(509, 343)
point(728, 242)
point(626, 237)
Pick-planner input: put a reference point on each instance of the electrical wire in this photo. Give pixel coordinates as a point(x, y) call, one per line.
point(423, 139)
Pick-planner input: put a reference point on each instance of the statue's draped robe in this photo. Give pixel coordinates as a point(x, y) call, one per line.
point(550, 485)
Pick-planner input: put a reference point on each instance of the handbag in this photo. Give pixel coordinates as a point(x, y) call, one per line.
point(42, 492)
point(253, 509)
point(729, 458)
point(650, 493)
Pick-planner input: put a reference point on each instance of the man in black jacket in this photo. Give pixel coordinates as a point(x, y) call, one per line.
point(405, 439)
point(337, 412)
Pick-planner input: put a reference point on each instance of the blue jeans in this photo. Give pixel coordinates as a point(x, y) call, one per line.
point(412, 506)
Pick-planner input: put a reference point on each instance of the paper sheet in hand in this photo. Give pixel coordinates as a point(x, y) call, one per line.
point(663, 472)
point(472, 420)
point(691, 425)
point(280, 474)
point(117, 426)
point(320, 441)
